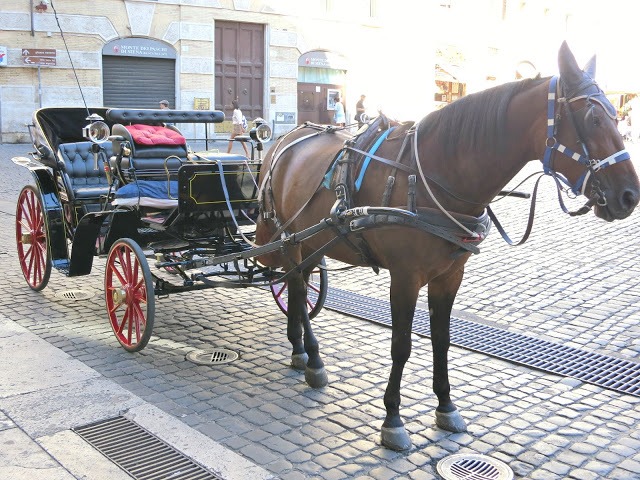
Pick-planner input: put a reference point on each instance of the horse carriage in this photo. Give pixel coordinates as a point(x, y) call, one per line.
point(412, 198)
point(126, 184)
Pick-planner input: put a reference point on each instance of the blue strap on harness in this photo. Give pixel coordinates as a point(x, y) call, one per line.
point(372, 151)
point(326, 183)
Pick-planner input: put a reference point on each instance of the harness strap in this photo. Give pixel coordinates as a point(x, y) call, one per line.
point(532, 211)
point(385, 161)
point(367, 159)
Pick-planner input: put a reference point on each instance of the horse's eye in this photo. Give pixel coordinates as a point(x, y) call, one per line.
point(592, 119)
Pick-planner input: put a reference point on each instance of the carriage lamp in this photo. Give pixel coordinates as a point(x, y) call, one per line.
point(261, 132)
point(97, 131)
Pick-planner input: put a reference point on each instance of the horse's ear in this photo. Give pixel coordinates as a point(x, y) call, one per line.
point(590, 68)
point(569, 70)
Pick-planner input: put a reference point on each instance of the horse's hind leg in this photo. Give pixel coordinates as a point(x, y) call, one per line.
point(305, 350)
point(442, 293)
point(404, 295)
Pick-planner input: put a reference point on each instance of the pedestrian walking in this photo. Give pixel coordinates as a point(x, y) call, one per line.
point(237, 122)
point(360, 109)
point(338, 116)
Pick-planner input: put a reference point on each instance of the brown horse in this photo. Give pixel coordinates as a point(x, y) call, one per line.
point(462, 156)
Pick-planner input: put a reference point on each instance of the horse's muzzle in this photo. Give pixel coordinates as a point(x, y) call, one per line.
point(616, 206)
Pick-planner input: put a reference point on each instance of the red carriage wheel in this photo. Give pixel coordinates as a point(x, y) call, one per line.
point(32, 240)
point(316, 291)
point(128, 288)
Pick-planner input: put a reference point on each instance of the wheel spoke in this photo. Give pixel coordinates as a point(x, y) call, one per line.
point(279, 292)
point(134, 271)
point(140, 291)
point(132, 322)
point(31, 260)
point(114, 270)
point(313, 287)
point(124, 321)
point(116, 306)
point(37, 270)
point(123, 265)
point(29, 203)
point(139, 320)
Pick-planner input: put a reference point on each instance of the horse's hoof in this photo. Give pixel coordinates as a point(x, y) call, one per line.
point(395, 438)
point(452, 421)
point(299, 360)
point(316, 377)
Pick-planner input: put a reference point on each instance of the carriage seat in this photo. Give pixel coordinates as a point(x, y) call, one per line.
point(77, 162)
point(150, 147)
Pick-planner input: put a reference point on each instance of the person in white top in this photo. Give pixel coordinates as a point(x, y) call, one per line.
point(238, 129)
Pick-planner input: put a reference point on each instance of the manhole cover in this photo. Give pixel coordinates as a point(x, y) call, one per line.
point(74, 295)
point(473, 467)
point(212, 357)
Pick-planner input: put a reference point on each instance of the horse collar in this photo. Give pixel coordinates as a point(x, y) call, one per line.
point(552, 144)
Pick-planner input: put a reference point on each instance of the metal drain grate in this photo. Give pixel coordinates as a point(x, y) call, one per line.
point(74, 295)
point(602, 370)
point(212, 357)
point(473, 467)
point(140, 453)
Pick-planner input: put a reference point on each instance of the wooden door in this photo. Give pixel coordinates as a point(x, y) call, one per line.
point(239, 67)
point(312, 102)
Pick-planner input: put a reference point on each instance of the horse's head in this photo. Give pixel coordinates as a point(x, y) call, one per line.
point(583, 143)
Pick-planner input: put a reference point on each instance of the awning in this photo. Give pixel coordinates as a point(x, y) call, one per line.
point(323, 59)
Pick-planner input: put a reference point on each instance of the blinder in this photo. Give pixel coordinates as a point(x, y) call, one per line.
point(589, 91)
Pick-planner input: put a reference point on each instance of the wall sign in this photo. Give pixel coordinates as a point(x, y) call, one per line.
point(285, 117)
point(201, 104)
point(138, 47)
point(39, 56)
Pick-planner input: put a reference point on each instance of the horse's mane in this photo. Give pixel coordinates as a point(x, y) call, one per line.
point(477, 121)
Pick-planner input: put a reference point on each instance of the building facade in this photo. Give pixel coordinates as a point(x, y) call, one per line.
point(196, 54)
point(283, 60)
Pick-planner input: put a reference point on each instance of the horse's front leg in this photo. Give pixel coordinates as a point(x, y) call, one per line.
point(404, 295)
point(306, 353)
point(442, 293)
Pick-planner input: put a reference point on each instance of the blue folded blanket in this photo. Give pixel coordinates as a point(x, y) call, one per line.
point(148, 188)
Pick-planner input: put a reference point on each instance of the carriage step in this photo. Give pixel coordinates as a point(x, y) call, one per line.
point(169, 246)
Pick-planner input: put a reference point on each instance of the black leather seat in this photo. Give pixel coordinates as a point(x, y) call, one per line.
point(77, 162)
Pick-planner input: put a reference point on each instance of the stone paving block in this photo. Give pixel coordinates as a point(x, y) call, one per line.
point(582, 474)
point(333, 474)
point(383, 473)
point(521, 468)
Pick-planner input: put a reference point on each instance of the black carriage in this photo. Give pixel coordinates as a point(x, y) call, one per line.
point(130, 186)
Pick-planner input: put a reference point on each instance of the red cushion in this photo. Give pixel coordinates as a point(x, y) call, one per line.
point(155, 135)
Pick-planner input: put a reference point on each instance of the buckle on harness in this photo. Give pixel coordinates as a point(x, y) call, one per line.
point(481, 236)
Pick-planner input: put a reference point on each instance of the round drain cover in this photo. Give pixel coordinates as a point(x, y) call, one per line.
point(476, 467)
point(74, 295)
point(212, 357)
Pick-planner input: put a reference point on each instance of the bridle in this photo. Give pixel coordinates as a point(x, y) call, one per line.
point(552, 145)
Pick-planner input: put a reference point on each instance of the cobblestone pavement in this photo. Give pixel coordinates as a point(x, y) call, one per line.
point(575, 282)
